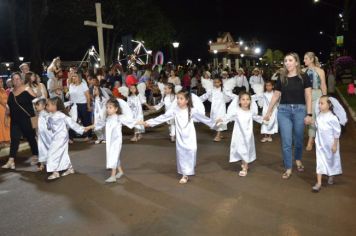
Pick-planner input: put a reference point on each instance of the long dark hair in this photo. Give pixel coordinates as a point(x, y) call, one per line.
point(130, 93)
point(171, 86)
point(59, 104)
point(114, 102)
point(101, 95)
point(28, 79)
point(221, 82)
point(186, 94)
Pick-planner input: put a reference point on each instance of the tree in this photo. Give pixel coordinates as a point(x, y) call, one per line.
point(273, 56)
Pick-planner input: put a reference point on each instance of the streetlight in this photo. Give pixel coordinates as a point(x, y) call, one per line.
point(21, 58)
point(257, 50)
point(260, 58)
point(7, 64)
point(340, 15)
point(175, 44)
point(321, 32)
point(241, 42)
point(199, 59)
point(215, 51)
point(210, 42)
point(242, 55)
point(246, 48)
point(316, 1)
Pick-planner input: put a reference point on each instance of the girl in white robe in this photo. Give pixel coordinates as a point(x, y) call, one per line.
point(243, 111)
point(99, 113)
point(135, 102)
point(186, 141)
point(44, 135)
point(113, 130)
point(168, 101)
point(267, 129)
point(59, 124)
point(328, 130)
point(218, 99)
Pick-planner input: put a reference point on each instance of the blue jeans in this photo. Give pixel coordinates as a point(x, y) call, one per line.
point(291, 126)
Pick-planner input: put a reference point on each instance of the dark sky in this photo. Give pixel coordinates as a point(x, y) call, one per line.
point(279, 24)
point(288, 25)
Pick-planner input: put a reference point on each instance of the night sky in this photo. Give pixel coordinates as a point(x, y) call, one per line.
point(277, 24)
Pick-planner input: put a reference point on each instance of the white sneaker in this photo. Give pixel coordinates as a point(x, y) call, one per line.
point(53, 176)
point(269, 139)
point(264, 139)
point(68, 172)
point(111, 179)
point(119, 175)
point(9, 165)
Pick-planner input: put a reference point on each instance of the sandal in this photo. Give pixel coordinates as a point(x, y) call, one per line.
point(300, 168)
point(309, 148)
point(316, 188)
point(243, 173)
point(53, 176)
point(183, 180)
point(217, 139)
point(133, 139)
point(286, 175)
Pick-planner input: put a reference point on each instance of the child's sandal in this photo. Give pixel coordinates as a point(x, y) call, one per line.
point(243, 173)
point(183, 180)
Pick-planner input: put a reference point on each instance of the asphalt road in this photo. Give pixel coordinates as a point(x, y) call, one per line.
point(149, 200)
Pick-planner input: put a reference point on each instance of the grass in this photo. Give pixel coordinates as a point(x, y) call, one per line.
point(351, 100)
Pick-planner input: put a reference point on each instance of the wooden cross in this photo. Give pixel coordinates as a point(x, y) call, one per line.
point(99, 26)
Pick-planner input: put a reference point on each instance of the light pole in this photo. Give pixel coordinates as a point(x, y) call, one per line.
point(176, 46)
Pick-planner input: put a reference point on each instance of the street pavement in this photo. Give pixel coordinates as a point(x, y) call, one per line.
point(149, 200)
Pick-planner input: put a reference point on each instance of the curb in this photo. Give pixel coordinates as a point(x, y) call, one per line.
point(351, 111)
point(6, 150)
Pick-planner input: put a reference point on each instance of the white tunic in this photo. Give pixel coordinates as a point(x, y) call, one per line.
point(186, 140)
point(207, 84)
point(168, 102)
point(242, 81)
point(135, 103)
point(272, 126)
point(327, 129)
point(113, 132)
point(44, 136)
point(256, 80)
point(243, 142)
point(99, 115)
point(218, 100)
point(59, 124)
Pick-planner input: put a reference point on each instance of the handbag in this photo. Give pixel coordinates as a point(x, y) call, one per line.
point(34, 119)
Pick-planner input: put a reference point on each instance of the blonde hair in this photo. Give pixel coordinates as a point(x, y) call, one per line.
point(314, 58)
point(284, 71)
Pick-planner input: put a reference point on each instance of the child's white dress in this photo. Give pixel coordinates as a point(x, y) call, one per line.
point(272, 126)
point(186, 140)
point(135, 103)
point(327, 129)
point(44, 136)
point(168, 102)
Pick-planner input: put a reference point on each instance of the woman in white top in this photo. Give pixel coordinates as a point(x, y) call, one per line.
point(78, 95)
point(174, 79)
point(38, 88)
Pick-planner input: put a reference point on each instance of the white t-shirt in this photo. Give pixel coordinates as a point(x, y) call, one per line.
point(77, 93)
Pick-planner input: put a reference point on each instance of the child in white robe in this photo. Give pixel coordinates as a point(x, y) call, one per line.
point(44, 136)
point(135, 102)
point(99, 113)
point(186, 141)
point(328, 130)
point(59, 124)
point(267, 129)
point(218, 99)
point(168, 101)
point(243, 111)
point(113, 130)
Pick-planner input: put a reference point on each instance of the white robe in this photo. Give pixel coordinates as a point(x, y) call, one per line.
point(186, 140)
point(59, 124)
point(327, 129)
point(135, 103)
point(242, 81)
point(207, 84)
point(218, 101)
point(44, 136)
point(100, 115)
point(168, 102)
point(113, 131)
point(242, 142)
point(272, 126)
